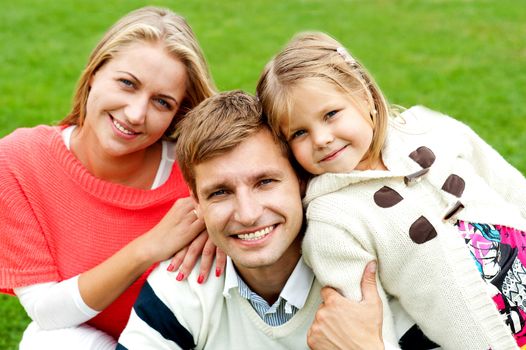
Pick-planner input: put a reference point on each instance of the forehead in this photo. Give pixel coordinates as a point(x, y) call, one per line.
point(149, 62)
point(311, 97)
point(310, 87)
point(256, 156)
point(317, 96)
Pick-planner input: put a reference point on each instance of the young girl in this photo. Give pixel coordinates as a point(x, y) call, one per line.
point(441, 210)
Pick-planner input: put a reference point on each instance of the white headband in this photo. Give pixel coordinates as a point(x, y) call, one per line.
point(347, 56)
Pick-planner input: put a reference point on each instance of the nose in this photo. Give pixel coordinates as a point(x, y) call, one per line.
point(136, 109)
point(248, 208)
point(322, 136)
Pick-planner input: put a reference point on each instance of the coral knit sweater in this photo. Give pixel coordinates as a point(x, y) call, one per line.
point(57, 220)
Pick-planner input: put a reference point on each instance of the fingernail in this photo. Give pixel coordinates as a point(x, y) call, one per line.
point(218, 272)
point(170, 268)
point(372, 267)
point(179, 277)
point(200, 279)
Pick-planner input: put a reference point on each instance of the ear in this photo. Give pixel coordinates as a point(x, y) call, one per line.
point(197, 206)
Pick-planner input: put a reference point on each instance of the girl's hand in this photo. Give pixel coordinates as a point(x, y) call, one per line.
point(186, 258)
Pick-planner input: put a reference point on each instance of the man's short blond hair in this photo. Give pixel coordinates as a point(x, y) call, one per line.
point(215, 127)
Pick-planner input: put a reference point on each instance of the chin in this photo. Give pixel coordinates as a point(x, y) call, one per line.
point(256, 262)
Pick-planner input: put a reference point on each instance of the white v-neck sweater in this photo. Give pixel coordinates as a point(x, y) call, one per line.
point(208, 318)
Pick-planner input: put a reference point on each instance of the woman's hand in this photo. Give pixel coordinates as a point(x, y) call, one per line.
point(181, 226)
point(341, 323)
point(176, 230)
point(185, 259)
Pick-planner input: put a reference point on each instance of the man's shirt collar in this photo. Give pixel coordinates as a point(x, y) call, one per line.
point(296, 289)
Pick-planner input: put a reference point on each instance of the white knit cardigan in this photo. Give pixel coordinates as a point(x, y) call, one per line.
point(440, 171)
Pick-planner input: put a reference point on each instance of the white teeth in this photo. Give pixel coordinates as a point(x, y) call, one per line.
point(255, 235)
point(122, 128)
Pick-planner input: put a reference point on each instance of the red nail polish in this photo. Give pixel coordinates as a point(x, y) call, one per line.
point(179, 277)
point(218, 272)
point(200, 279)
point(170, 268)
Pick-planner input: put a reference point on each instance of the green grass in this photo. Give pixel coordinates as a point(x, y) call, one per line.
point(464, 58)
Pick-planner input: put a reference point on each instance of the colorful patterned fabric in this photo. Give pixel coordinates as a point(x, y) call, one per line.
point(500, 255)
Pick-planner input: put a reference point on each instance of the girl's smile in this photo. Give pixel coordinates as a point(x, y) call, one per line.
point(334, 154)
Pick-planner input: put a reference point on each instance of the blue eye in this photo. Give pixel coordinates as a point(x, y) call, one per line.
point(127, 82)
point(331, 114)
point(164, 103)
point(297, 134)
point(217, 193)
point(266, 181)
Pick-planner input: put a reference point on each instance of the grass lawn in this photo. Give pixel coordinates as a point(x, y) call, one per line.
point(464, 58)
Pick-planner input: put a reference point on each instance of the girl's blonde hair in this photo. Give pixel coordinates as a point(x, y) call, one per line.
point(153, 25)
point(317, 56)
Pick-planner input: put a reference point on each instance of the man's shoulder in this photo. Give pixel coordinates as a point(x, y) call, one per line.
point(171, 310)
point(181, 296)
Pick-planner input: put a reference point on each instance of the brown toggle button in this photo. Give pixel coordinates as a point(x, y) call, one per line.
point(386, 197)
point(458, 206)
point(422, 231)
point(455, 185)
point(423, 156)
point(415, 176)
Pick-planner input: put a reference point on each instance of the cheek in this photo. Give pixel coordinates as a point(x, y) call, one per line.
point(92, 105)
point(103, 99)
point(303, 154)
point(160, 121)
point(216, 218)
point(296, 210)
point(367, 135)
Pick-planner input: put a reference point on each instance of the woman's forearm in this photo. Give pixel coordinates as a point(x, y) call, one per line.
point(104, 283)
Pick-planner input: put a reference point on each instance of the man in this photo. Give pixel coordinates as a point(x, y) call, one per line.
point(249, 196)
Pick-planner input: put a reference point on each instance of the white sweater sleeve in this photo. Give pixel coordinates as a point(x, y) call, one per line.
point(389, 346)
point(55, 305)
point(509, 182)
point(338, 260)
point(83, 337)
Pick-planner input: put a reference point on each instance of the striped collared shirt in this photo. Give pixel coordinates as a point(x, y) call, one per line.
point(291, 299)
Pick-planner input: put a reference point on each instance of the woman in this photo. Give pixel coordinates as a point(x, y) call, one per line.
point(87, 207)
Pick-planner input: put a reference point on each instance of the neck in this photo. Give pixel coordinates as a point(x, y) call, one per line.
point(372, 164)
point(269, 281)
point(137, 169)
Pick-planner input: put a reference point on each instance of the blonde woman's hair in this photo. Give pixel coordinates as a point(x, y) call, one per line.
point(312, 56)
point(215, 127)
point(151, 25)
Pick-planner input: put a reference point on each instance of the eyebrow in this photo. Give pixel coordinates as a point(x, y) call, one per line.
point(160, 95)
